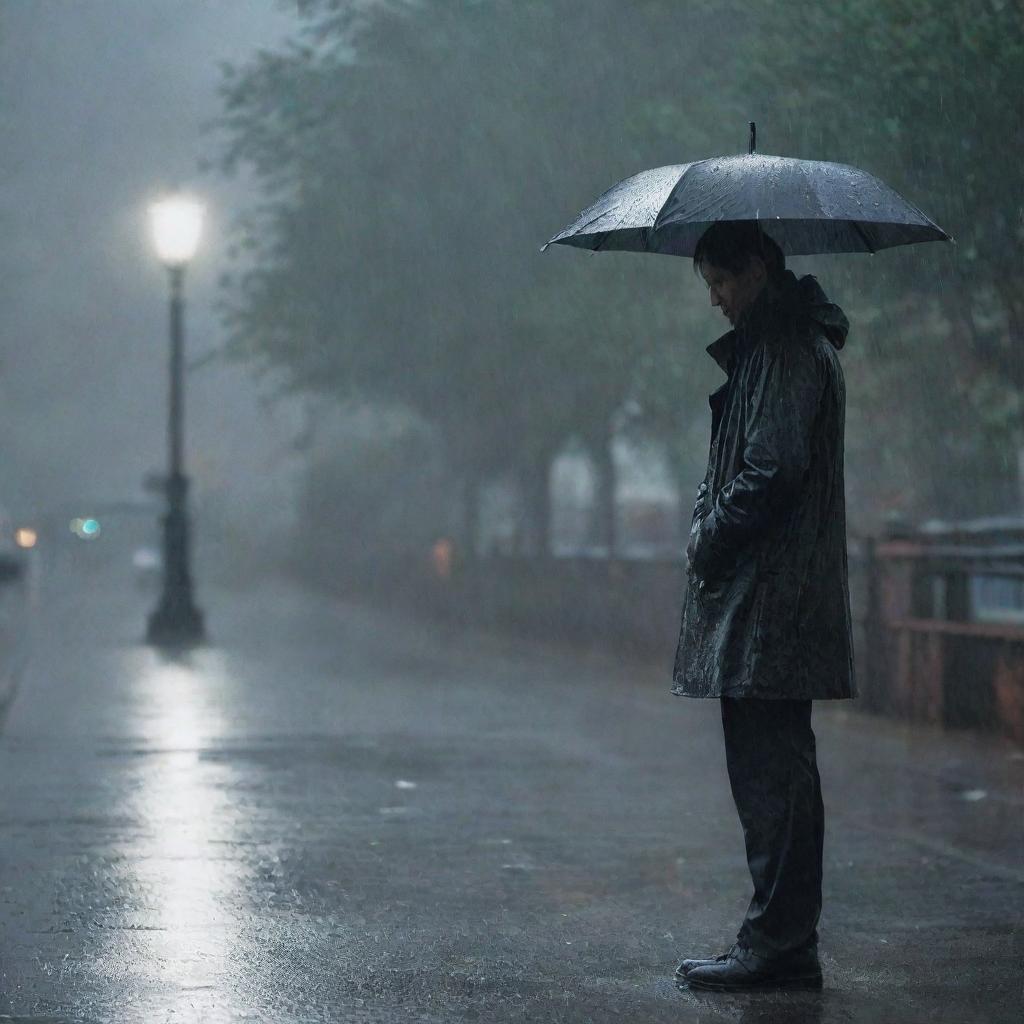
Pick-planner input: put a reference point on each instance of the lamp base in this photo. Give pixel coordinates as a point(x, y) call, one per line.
point(175, 624)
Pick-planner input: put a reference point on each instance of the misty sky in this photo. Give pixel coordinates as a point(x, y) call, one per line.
point(104, 103)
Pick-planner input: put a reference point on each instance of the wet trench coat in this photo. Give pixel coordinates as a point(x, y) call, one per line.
point(766, 606)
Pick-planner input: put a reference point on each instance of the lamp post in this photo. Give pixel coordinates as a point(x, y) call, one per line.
point(176, 222)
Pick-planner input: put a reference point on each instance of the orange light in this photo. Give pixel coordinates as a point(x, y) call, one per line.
point(442, 555)
point(25, 537)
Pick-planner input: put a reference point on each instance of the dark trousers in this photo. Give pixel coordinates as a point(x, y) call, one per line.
point(771, 757)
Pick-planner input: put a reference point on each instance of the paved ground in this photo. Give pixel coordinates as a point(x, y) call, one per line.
point(337, 815)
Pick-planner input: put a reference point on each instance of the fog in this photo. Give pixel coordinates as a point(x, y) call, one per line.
point(378, 718)
point(388, 182)
point(104, 106)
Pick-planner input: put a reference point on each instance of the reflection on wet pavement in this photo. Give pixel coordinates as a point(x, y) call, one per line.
point(335, 814)
point(183, 890)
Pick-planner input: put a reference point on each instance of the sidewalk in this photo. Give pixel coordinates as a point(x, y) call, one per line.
point(339, 814)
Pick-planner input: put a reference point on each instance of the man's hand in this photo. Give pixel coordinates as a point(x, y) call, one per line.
point(700, 558)
point(698, 516)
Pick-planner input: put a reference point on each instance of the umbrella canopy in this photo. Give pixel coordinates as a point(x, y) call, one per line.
point(806, 206)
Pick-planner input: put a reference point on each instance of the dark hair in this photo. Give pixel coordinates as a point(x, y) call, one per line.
point(730, 244)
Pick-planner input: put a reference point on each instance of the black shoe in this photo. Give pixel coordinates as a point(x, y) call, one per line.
point(688, 965)
point(742, 968)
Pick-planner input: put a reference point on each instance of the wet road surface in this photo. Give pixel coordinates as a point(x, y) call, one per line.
point(333, 814)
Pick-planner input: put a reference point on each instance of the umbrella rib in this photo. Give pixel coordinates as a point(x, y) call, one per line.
point(863, 235)
point(672, 191)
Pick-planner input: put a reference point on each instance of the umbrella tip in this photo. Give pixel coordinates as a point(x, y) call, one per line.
point(753, 137)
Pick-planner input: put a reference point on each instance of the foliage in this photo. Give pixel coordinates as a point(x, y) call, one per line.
point(413, 155)
point(411, 167)
point(926, 95)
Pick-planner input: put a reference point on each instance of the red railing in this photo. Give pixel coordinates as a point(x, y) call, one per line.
point(932, 652)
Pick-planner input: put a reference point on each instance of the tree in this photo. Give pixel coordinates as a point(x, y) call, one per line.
point(926, 95)
point(411, 168)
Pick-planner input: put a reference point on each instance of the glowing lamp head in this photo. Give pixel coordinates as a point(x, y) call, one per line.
point(25, 537)
point(176, 222)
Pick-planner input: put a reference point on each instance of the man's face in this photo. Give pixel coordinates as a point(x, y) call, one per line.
point(734, 292)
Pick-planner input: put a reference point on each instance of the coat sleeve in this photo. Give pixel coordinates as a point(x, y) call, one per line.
point(781, 408)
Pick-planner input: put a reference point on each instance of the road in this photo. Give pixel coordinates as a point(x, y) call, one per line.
point(339, 814)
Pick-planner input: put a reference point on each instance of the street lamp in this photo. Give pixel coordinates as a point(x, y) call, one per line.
point(176, 222)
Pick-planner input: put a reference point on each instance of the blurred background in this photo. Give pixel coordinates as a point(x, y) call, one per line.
point(386, 380)
point(425, 765)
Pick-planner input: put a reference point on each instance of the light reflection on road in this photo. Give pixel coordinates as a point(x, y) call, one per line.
point(178, 860)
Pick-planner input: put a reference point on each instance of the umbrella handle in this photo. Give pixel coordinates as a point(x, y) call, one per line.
point(753, 137)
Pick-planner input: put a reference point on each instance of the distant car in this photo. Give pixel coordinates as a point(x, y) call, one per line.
point(148, 566)
point(12, 558)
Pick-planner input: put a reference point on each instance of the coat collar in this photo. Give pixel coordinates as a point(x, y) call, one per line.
point(753, 319)
point(721, 350)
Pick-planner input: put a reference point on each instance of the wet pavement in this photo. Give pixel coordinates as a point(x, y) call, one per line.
point(334, 814)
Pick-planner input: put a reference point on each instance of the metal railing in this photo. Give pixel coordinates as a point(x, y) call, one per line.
point(944, 624)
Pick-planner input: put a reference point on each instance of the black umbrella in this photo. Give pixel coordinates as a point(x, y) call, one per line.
point(807, 206)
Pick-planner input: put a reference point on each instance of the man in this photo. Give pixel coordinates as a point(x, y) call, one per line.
point(766, 612)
